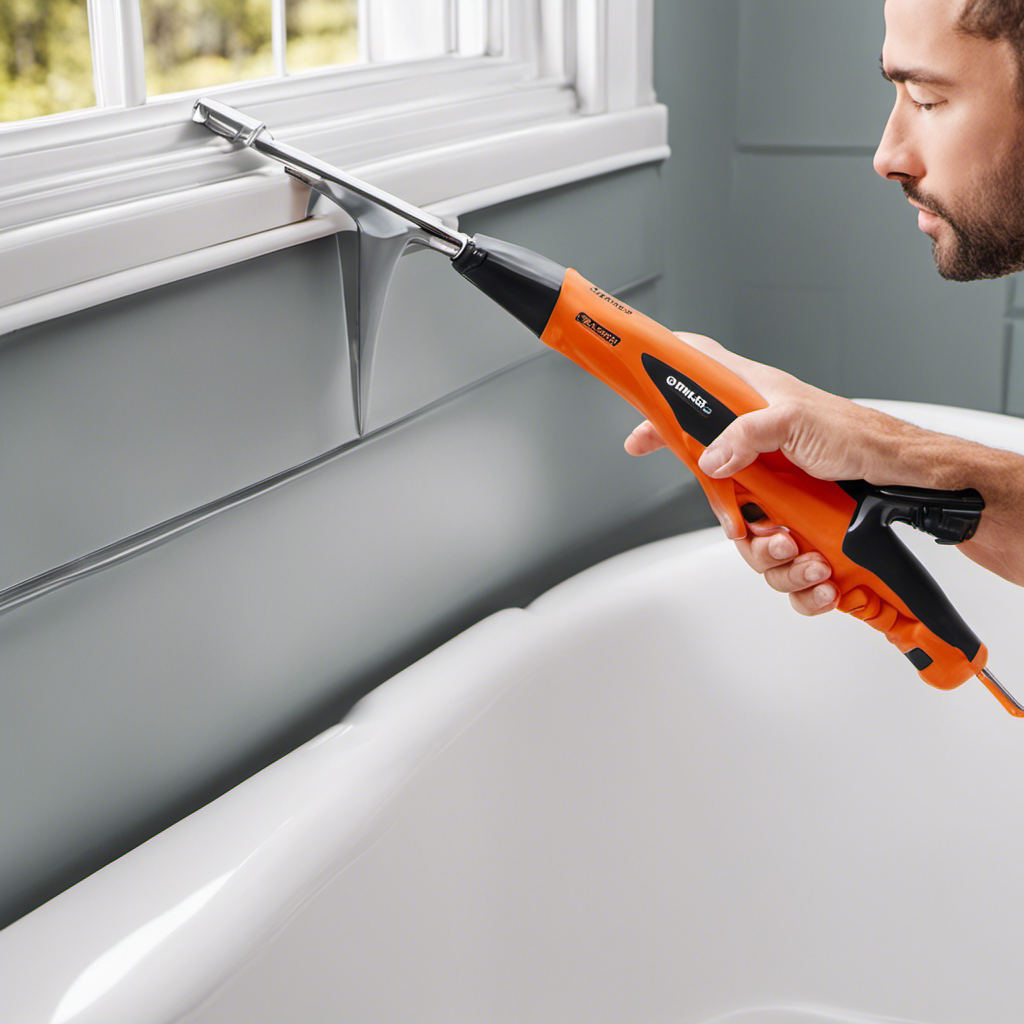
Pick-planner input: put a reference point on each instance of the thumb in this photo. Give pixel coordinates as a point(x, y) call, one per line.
point(765, 430)
point(644, 439)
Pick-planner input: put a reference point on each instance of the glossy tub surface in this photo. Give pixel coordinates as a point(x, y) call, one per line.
point(655, 794)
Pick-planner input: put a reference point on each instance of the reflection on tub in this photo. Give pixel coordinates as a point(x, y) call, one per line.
point(655, 794)
point(107, 970)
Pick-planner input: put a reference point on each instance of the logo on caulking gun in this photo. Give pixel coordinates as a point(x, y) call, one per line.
point(601, 332)
point(698, 400)
point(615, 302)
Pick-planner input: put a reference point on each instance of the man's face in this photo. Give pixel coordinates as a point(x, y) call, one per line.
point(955, 138)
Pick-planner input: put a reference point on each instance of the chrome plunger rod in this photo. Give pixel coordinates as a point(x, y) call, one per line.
point(1001, 694)
point(236, 126)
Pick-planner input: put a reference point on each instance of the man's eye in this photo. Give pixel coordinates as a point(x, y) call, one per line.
point(923, 104)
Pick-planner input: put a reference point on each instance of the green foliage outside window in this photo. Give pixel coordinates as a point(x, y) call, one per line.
point(321, 33)
point(46, 63)
point(191, 44)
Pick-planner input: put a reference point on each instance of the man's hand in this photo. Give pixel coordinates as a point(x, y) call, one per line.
point(834, 439)
point(768, 549)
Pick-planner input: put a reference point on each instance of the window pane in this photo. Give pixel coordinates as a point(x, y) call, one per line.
point(405, 29)
point(192, 44)
point(321, 33)
point(45, 61)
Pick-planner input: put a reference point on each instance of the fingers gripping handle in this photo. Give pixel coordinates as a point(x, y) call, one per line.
point(690, 398)
point(722, 495)
point(878, 578)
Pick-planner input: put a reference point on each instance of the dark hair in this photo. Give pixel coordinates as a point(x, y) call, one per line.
point(997, 19)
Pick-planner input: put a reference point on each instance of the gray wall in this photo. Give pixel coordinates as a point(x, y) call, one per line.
point(286, 566)
point(695, 75)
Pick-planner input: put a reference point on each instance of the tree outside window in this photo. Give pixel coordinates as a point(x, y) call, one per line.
point(46, 62)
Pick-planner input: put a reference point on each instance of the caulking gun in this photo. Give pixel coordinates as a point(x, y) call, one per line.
point(690, 399)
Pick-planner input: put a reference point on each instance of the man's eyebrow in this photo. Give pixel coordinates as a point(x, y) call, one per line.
point(917, 76)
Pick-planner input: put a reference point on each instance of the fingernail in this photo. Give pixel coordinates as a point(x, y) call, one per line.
point(782, 546)
point(713, 460)
point(815, 572)
point(823, 595)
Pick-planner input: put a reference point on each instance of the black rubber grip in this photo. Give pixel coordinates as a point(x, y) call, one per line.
point(870, 543)
point(523, 282)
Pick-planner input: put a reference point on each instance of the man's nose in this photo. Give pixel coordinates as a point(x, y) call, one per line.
point(897, 157)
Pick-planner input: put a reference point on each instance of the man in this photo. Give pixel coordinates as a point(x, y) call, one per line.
point(955, 144)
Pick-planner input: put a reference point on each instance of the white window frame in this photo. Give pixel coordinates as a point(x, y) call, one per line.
point(100, 203)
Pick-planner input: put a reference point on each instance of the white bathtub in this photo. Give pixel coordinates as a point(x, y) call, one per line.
point(655, 795)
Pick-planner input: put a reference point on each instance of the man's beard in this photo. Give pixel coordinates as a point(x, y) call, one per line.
point(988, 232)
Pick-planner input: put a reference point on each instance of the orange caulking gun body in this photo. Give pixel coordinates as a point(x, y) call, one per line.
point(633, 354)
point(691, 398)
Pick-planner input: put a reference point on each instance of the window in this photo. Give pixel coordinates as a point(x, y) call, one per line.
point(451, 104)
point(49, 51)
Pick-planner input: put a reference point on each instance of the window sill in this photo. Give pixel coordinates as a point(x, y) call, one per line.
point(58, 265)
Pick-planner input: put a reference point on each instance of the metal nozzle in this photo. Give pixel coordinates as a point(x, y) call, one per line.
point(234, 125)
point(1001, 694)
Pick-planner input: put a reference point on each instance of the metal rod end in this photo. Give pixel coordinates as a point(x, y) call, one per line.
point(227, 121)
point(1001, 694)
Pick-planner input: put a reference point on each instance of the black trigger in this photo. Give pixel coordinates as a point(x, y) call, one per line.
point(751, 513)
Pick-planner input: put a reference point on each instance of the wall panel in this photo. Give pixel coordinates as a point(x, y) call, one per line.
point(118, 418)
point(444, 334)
point(808, 73)
point(133, 695)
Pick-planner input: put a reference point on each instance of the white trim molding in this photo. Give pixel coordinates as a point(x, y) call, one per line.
point(126, 198)
point(60, 267)
point(614, 45)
